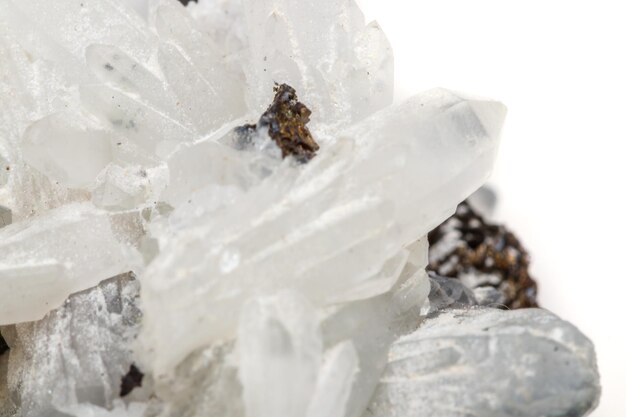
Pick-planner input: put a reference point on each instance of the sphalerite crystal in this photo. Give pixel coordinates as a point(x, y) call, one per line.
point(285, 123)
point(178, 239)
point(485, 257)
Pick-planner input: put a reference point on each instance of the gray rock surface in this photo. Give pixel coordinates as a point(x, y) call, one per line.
point(77, 353)
point(6, 216)
point(7, 407)
point(489, 363)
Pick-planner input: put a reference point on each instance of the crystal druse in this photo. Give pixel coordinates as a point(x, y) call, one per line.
point(219, 210)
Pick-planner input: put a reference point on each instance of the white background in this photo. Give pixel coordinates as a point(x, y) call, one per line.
point(560, 67)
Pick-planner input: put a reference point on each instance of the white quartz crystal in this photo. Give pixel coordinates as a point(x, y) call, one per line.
point(310, 227)
point(324, 48)
point(283, 369)
point(265, 286)
point(47, 258)
point(73, 156)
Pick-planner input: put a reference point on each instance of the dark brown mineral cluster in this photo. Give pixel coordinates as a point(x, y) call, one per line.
point(131, 380)
point(285, 120)
point(3, 345)
point(486, 258)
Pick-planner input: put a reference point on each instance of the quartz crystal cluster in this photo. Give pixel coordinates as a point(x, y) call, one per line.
point(219, 210)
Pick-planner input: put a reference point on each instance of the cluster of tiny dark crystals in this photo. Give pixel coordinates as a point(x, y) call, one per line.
point(285, 120)
point(131, 380)
point(186, 2)
point(489, 249)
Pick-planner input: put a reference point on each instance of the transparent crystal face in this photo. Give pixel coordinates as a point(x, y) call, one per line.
point(263, 286)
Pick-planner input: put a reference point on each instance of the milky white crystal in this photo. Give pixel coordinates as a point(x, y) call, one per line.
point(324, 48)
point(269, 288)
point(56, 155)
point(311, 228)
point(48, 258)
point(283, 368)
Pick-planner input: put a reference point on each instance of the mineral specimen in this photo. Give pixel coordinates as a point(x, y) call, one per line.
point(285, 121)
point(448, 293)
point(487, 258)
point(168, 253)
point(47, 258)
point(489, 362)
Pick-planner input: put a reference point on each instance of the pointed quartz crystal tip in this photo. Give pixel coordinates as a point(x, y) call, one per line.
point(324, 49)
point(490, 113)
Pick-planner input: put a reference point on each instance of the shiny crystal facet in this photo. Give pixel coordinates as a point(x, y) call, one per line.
point(266, 286)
